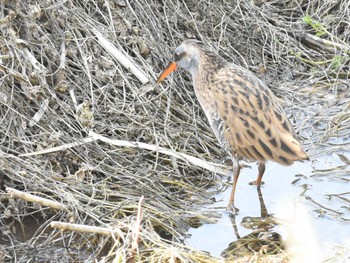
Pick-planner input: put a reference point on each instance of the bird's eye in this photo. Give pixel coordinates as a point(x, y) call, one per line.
point(178, 56)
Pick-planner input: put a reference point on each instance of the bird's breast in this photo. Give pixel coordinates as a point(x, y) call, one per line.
point(209, 103)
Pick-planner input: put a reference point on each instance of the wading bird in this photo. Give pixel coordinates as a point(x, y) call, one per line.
point(244, 114)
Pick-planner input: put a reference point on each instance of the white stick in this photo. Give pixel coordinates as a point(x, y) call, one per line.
point(213, 167)
point(39, 67)
point(40, 113)
point(122, 58)
point(86, 229)
point(216, 168)
point(35, 199)
point(58, 148)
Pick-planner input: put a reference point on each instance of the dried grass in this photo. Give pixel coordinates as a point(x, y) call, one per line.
point(58, 83)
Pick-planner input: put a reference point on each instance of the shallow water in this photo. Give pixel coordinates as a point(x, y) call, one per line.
point(326, 222)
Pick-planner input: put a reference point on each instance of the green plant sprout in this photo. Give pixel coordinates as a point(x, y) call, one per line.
point(316, 25)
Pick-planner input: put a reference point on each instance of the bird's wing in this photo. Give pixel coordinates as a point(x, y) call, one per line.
point(255, 125)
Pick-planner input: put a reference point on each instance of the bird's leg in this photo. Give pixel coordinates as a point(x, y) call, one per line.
point(236, 171)
point(261, 169)
point(263, 209)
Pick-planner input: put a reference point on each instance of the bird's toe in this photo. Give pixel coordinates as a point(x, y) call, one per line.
point(256, 183)
point(231, 209)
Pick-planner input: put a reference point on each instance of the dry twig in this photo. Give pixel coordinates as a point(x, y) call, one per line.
point(137, 230)
point(87, 229)
point(120, 57)
point(35, 199)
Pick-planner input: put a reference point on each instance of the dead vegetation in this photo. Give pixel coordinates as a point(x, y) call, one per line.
point(59, 84)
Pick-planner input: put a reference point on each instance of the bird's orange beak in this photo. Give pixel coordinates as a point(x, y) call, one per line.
point(170, 68)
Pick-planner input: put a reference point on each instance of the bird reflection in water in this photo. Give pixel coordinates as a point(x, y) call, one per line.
point(263, 239)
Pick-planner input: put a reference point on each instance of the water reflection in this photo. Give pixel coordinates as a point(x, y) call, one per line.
point(320, 188)
point(262, 239)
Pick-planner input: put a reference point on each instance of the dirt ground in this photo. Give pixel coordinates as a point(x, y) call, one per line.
point(82, 131)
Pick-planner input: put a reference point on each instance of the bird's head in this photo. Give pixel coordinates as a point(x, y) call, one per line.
point(185, 56)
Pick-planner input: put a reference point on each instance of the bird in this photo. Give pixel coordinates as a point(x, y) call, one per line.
point(244, 114)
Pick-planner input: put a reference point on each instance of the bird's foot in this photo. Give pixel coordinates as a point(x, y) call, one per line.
point(232, 210)
point(256, 183)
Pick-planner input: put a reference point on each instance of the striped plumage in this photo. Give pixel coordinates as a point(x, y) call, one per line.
point(244, 114)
